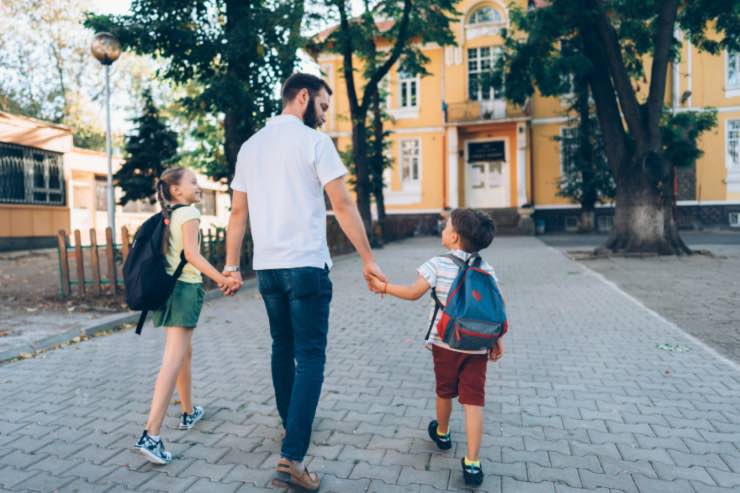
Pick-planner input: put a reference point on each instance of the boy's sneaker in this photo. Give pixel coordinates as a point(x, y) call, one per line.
point(473, 474)
point(152, 450)
point(187, 421)
point(443, 442)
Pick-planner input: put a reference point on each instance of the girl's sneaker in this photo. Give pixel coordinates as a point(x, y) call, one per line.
point(443, 442)
point(152, 450)
point(187, 421)
point(472, 474)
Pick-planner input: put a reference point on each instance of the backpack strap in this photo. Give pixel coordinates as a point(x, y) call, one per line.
point(437, 306)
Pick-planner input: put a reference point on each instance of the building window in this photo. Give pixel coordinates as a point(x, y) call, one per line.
point(480, 68)
point(101, 193)
point(207, 205)
point(408, 90)
point(31, 176)
point(733, 147)
point(485, 15)
point(410, 150)
point(733, 71)
point(568, 147)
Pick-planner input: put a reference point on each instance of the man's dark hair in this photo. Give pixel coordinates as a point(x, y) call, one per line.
point(299, 81)
point(476, 229)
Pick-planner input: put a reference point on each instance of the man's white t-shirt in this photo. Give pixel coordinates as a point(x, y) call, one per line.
point(283, 168)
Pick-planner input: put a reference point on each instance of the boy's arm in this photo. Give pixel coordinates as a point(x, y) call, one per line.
point(411, 292)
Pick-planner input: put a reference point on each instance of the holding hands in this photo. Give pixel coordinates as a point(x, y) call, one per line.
point(231, 283)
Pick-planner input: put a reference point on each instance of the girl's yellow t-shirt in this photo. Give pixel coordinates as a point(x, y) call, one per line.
point(179, 217)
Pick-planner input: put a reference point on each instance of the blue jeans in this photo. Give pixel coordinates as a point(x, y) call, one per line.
point(297, 302)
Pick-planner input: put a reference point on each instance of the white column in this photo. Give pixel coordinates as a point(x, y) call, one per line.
point(521, 163)
point(452, 168)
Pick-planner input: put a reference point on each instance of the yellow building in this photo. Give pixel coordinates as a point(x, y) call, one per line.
point(47, 184)
point(457, 144)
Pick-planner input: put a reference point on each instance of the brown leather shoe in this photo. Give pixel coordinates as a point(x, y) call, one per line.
point(287, 476)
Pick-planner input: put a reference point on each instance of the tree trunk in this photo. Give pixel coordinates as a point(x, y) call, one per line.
point(362, 186)
point(586, 221)
point(643, 219)
point(378, 164)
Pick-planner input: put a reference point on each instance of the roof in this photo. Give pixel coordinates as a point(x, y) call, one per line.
point(27, 121)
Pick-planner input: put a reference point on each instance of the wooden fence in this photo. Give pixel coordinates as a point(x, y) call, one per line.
point(97, 268)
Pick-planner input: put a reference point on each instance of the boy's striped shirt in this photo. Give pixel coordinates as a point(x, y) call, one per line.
point(440, 272)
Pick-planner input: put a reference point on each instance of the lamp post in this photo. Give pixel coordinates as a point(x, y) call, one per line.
point(106, 49)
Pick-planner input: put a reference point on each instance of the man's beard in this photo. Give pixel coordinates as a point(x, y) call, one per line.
point(309, 117)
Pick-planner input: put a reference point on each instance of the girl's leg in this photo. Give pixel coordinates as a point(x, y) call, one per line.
point(473, 430)
point(185, 382)
point(177, 343)
point(444, 410)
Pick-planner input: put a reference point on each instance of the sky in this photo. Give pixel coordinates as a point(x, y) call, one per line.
point(111, 6)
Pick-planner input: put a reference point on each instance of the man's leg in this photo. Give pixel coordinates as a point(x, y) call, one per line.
point(311, 292)
point(275, 296)
point(444, 410)
point(473, 430)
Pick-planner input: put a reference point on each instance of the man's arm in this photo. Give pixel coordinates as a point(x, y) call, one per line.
point(350, 221)
point(236, 229)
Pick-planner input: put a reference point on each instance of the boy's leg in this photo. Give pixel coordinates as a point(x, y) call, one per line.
point(444, 410)
point(177, 342)
point(274, 294)
point(473, 430)
point(472, 397)
point(185, 382)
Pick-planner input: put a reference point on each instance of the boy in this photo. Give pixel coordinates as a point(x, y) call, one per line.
point(457, 373)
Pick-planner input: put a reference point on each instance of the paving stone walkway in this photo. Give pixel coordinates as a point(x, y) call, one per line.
point(582, 401)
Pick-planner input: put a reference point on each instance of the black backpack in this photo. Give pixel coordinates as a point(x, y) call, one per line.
point(144, 273)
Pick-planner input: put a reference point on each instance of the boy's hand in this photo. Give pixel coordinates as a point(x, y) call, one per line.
point(496, 351)
point(376, 285)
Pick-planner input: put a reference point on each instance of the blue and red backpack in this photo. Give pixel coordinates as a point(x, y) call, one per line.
point(474, 317)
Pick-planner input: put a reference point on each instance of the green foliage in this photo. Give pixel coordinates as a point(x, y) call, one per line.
point(149, 151)
point(236, 52)
point(680, 134)
point(89, 138)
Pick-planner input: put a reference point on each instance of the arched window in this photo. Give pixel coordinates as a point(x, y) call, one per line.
point(485, 15)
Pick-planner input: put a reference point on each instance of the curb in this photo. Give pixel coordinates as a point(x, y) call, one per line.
point(91, 329)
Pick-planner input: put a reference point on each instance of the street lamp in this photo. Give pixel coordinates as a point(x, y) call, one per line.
point(106, 48)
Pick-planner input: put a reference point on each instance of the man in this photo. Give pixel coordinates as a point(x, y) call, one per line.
point(281, 174)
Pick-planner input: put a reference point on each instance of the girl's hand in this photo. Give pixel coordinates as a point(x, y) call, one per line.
point(497, 351)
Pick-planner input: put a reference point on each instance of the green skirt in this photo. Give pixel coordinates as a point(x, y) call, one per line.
point(182, 308)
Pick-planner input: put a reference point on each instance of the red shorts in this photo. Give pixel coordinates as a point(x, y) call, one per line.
point(460, 374)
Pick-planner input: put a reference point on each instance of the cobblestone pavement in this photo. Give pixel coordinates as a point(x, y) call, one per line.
point(582, 401)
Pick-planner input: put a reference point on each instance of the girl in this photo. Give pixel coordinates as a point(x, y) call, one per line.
point(179, 314)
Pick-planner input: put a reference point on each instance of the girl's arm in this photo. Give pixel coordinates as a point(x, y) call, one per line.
point(193, 256)
point(411, 292)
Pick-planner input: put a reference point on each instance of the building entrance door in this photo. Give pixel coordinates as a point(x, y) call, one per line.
point(486, 174)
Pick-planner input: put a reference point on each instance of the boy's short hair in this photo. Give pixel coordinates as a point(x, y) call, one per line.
point(293, 85)
point(476, 229)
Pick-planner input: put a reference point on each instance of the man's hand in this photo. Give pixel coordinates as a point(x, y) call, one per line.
point(371, 271)
point(231, 288)
point(497, 351)
point(376, 285)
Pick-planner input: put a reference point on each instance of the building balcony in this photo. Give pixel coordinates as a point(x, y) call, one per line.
point(483, 111)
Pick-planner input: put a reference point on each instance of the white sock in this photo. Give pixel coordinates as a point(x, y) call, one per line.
point(154, 437)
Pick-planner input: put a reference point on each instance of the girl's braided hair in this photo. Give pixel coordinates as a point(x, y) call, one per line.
point(167, 180)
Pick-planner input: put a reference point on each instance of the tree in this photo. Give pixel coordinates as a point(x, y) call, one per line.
point(403, 27)
point(587, 178)
point(623, 41)
point(149, 151)
point(47, 71)
point(235, 51)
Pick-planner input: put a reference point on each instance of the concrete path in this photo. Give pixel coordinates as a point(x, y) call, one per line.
point(583, 400)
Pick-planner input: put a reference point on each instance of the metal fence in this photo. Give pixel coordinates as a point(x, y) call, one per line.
point(31, 176)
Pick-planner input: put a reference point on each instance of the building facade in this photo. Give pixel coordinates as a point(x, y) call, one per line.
point(47, 184)
point(457, 143)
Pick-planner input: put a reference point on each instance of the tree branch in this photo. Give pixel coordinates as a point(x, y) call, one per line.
point(347, 50)
point(618, 70)
point(372, 85)
point(662, 40)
